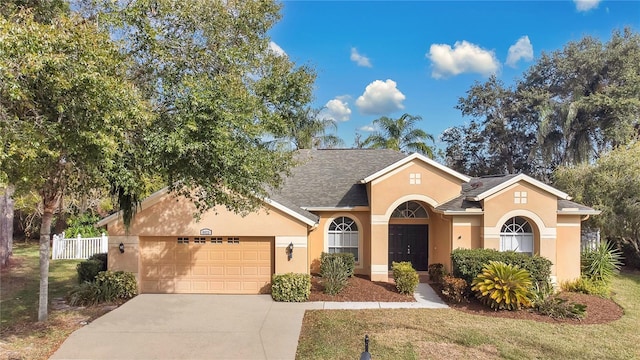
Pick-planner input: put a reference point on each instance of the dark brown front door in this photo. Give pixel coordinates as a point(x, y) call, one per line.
point(409, 243)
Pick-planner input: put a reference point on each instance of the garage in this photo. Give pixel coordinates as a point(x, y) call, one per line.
point(206, 265)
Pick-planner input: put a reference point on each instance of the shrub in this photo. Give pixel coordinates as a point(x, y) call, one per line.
point(101, 257)
point(88, 270)
point(109, 286)
point(468, 263)
point(405, 276)
point(503, 286)
point(558, 308)
point(602, 263)
point(291, 287)
point(588, 286)
point(335, 274)
point(82, 225)
point(117, 285)
point(348, 259)
point(453, 288)
point(436, 272)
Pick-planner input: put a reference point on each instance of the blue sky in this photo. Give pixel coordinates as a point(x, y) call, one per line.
point(376, 58)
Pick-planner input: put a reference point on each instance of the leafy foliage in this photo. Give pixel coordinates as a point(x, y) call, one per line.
point(559, 308)
point(399, 134)
point(83, 225)
point(467, 263)
point(588, 286)
point(503, 286)
point(88, 270)
point(291, 287)
point(405, 277)
point(436, 272)
point(335, 273)
point(108, 287)
point(556, 114)
point(453, 288)
point(602, 263)
point(611, 185)
point(348, 259)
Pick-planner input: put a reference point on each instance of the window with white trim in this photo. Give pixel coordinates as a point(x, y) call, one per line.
point(410, 210)
point(516, 235)
point(343, 236)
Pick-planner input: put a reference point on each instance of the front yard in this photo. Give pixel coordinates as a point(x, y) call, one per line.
point(452, 334)
point(21, 337)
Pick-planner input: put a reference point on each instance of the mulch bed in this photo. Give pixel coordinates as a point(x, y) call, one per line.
point(359, 289)
point(599, 310)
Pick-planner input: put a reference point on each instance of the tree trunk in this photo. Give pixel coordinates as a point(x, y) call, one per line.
point(6, 225)
point(45, 230)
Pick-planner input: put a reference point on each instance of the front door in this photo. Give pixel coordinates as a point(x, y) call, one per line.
point(409, 243)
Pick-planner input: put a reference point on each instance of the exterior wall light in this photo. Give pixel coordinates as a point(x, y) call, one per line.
point(290, 251)
point(121, 248)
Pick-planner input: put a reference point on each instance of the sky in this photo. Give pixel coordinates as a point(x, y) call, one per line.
point(387, 58)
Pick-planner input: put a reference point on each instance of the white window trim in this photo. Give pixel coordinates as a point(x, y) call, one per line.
point(360, 262)
point(528, 235)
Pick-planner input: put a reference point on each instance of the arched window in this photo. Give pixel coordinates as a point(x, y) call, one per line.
point(411, 210)
point(516, 235)
point(343, 236)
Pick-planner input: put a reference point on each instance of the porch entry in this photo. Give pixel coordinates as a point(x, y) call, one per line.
point(409, 243)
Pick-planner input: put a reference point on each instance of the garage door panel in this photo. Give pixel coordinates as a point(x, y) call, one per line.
point(242, 265)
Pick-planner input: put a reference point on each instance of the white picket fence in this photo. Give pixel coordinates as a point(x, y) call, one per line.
point(79, 247)
point(589, 239)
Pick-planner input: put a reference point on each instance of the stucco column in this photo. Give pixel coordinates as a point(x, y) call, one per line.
point(298, 262)
point(129, 260)
point(379, 251)
point(548, 250)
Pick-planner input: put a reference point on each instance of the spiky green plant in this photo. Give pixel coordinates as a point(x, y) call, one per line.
point(503, 286)
point(602, 263)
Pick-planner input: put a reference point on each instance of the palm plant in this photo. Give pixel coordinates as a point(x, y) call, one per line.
point(601, 263)
point(310, 131)
point(503, 286)
point(400, 134)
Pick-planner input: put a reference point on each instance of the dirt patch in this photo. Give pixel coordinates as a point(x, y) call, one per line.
point(359, 289)
point(432, 350)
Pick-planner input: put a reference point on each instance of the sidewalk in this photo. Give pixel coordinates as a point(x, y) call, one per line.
point(426, 298)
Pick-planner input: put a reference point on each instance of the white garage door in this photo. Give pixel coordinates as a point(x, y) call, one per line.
point(206, 265)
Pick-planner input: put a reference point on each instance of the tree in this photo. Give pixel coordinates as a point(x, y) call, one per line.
point(217, 91)
point(6, 224)
point(612, 185)
point(66, 109)
point(499, 138)
point(310, 131)
point(399, 134)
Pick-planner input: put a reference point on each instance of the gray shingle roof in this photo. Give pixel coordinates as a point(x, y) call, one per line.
point(567, 204)
point(330, 178)
point(459, 204)
point(479, 185)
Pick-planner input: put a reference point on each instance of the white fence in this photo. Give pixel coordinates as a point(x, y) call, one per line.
point(79, 247)
point(589, 239)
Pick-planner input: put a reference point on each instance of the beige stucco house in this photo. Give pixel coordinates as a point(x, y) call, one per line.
point(380, 205)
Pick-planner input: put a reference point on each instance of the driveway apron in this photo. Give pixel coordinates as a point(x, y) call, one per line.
point(155, 326)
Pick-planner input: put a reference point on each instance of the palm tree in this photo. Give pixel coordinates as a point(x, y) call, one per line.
point(400, 134)
point(310, 131)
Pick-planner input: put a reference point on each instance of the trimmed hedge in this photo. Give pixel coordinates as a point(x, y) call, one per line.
point(468, 263)
point(436, 272)
point(405, 276)
point(88, 270)
point(291, 287)
point(109, 286)
point(347, 258)
point(101, 257)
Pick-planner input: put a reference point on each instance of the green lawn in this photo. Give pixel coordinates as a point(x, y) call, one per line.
point(450, 334)
point(22, 337)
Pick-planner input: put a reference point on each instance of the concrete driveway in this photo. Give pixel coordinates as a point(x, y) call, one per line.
point(158, 326)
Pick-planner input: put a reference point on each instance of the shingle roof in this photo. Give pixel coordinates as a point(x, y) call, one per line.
point(570, 206)
point(479, 185)
point(330, 178)
point(459, 204)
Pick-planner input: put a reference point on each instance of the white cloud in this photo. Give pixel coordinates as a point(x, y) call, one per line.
point(361, 60)
point(586, 5)
point(336, 109)
point(464, 57)
point(380, 98)
point(522, 49)
point(367, 128)
point(276, 49)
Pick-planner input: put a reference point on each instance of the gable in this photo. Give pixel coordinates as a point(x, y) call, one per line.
point(521, 196)
point(174, 216)
point(414, 178)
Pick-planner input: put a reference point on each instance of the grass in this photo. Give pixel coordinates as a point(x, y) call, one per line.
point(450, 334)
point(22, 337)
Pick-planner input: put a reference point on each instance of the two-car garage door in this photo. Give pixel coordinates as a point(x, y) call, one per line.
point(207, 265)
